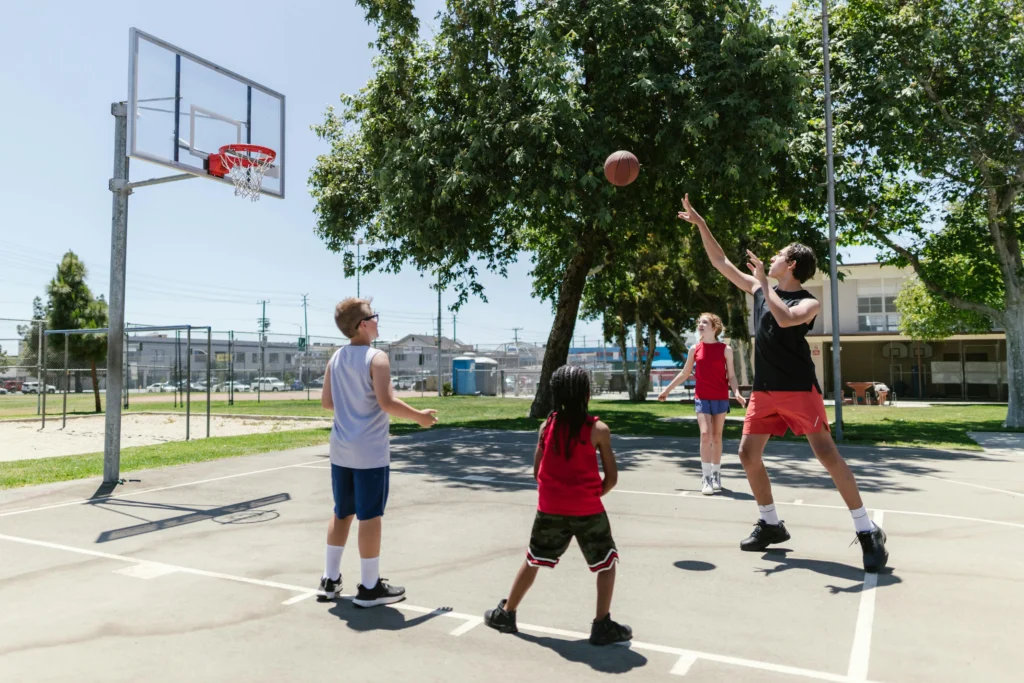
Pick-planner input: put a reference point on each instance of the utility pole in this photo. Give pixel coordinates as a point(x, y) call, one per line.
point(454, 320)
point(440, 376)
point(264, 325)
point(515, 333)
point(305, 355)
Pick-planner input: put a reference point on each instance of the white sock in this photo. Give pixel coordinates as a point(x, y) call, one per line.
point(705, 468)
point(370, 571)
point(768, 514)
point(716, 468)
point(332, 562)
point(861, 521)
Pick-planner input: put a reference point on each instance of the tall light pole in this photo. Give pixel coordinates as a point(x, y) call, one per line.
point(837, 380)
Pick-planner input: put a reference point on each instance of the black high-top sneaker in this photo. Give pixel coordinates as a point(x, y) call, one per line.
point(500, 619)
point(763, 535)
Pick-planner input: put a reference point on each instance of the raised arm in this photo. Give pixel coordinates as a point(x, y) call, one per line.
point(718, 259)
point(380, 375)
point(730, 369)
point(681, 377)
point(803, 312)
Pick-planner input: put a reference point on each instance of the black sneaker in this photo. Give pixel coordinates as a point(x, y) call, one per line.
point(873, 544)
point(329, 589)
point(763, 535)
point(381, 594)
point(501, 620)
point(606, 632)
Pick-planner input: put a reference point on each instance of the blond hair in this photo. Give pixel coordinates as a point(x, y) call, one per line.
point(349, 313)
point(716, 322)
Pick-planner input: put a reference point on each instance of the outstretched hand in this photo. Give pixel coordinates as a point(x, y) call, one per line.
point(689, 214)
point(756, 267)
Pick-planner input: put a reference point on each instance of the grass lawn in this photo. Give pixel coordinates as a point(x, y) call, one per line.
point(939, 427)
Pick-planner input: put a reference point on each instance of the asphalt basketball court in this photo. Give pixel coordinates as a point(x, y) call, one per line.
point(207, 572)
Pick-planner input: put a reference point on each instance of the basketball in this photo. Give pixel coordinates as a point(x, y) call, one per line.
point(621, 168)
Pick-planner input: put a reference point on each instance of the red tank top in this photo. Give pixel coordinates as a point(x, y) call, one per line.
point(710, 373)
point(569, 486)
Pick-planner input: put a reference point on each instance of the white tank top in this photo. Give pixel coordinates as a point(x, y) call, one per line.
point(359, 437)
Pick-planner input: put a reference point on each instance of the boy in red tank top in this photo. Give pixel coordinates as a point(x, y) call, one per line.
point(569, 504)
point(710, 362)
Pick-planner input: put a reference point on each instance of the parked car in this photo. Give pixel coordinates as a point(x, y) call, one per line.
point(2, 391)
point(268, 384)
point(317, 383)
point(155, 388)
point(238, 386)
point(12, 385)
point(297, 385)
point(33, 388)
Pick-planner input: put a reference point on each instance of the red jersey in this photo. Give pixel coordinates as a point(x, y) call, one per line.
point(710, 372)
point(569, 486)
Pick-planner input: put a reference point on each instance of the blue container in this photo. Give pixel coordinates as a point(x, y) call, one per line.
point(464, 376)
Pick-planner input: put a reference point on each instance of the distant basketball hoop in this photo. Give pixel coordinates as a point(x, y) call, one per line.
point(245, 165)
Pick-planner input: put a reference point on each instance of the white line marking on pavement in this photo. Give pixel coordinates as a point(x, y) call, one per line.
point(304, 592)
point(798, 501)
point(860, 653)
point(467, 627)
point(477, 477)
point(299, 598)
point(684, 493)
point(977, 486)
point(683, 665)
point(315, 467)
point(99, 499)
point(146, 570)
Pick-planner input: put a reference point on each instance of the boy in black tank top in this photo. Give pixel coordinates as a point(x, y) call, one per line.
point(786, 394)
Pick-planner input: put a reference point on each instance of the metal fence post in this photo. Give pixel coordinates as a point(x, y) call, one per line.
point(67, 381)
point(188, 382)
point(209, 363)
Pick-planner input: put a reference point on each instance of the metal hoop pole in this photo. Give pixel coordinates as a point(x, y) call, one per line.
point(209, 364)
point(188, 383)
point(67, 381)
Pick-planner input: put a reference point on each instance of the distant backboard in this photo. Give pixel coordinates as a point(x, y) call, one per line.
point(182, 109)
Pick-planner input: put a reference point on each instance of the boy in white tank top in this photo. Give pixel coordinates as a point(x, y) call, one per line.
point(357, 387)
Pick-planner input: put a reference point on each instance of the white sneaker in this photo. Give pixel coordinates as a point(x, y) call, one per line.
point(716, 481)
point(706, 486)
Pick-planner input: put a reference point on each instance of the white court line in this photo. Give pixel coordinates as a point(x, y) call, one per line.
point(299, 598)
point(83, 501)
point(798, 501)
point(304, 592)
point(477, 477)
point(977, 486)
point(860, 653)
point(467, 627)
point(683, 665)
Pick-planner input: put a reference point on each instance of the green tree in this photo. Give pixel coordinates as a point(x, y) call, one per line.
point(72, 307)
point(490, 138)
point(930, 110)
point(28, 352)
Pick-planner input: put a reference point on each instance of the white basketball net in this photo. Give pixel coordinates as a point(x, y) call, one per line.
point(246, 170)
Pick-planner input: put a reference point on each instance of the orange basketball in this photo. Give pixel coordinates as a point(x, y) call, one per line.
point(621, 168)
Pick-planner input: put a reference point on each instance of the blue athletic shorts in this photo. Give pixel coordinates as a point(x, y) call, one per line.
point(363, 493)
point(711, 407)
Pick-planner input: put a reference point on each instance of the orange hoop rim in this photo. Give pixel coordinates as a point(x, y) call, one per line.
point(233, 154)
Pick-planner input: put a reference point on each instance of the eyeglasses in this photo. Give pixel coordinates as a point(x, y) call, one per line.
point(375, 317)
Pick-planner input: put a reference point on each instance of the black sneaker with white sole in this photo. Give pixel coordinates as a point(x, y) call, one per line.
point(873, 544)
point(329, 588)
point(381, 594)
point(605, 632)
point(763, 535)
point(500, 619)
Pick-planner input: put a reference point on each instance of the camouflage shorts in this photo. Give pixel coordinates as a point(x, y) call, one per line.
point(551, 535)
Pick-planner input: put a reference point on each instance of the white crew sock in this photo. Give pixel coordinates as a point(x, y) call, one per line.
point(716, 468)
point(706, 469)
point(861, 521)
point(370, 571)
point(332, 562)
point(768, 514)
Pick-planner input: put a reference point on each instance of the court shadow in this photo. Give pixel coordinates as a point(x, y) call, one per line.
point(384, 618)
point(835, 570)
point(607, 659)
point(694, 565)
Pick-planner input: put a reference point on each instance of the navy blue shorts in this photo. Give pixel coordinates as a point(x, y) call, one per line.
point(711, 407)
point(363, 493)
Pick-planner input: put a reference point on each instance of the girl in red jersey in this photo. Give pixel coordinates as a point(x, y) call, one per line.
point(710, 362)
point(570, 488)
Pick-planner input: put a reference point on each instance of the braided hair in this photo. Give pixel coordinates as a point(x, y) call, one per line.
point(570, 393)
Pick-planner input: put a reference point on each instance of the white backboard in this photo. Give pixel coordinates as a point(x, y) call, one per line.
point(183, 108)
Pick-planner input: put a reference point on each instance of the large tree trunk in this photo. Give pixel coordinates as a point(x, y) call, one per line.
point(557, 351)
point(95, 386)
point(624, 353)
point(1015, 365)
point(644, 373)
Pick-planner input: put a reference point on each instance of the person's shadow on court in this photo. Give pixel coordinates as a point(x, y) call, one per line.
point(382, 618)
point(835, 570)
point(608, 659)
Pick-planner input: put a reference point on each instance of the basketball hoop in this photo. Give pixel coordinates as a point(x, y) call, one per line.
point(245, 165)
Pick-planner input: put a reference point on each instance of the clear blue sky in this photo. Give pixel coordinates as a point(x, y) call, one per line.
point(196, 253)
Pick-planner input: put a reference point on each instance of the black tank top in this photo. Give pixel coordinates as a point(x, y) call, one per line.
point(782, 357)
